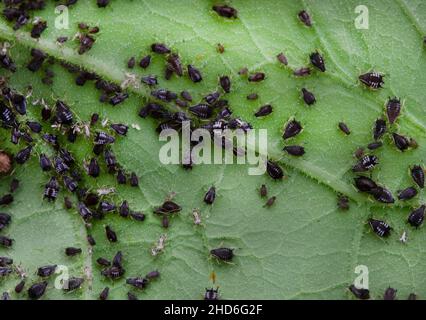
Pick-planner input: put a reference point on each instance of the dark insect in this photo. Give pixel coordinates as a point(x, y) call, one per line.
point(62, 39)
point(46, 271)
point(104, 294)
point(274, 170)
point(117, 260)
point(382, 195)
point(37, 60)
point(102, 3)
point(131, 63)
point(7, 62)
point(372, 80)
point(94, 119)
point(418, 175)
point(379, 129)
point(51, 189)
point(390, 294)
point(110, 234)
point(84, 211)
point(243, 71)
point(393, 108)
point(118, 98)
point(103, 262)
point(4, 271)
point(131, 296)
point(121, 177)
point(220, 48)
point(407, 193)
point(181, 103)
point(70, 183)
point(365, 163)
point(152, 275)
point(50, 138)
point(105, 207)
point(86, 43)
point(45, 163)
point(263, 191)
point(138, 216)
point(4, 222)
point(67, 203)
point(14, 185)
point(164, 95)
point(257, 77)
point(212, 97)
point(252, 96)
point(194, 74)
point(6, 199)
point(145, 62)
point(225, 83)
point(264, 111)
point(225, 11)
point(295, 150)
point(412, 296)
point(91, 240)
point(160, 48)
point(6, 115)
point(344, 128)
point(37, 290)
point(23, 155)
point(186, 95)
point(381, 228)
point(113, 272)
point(137, 282)
point(374, 145)
point(175, 64)
point(210, 196)
point(363, 294)
point(124, 210)
point(168, 207)
point(211, 294)
point(308, 97)
point(63, 113)
point(365, 184)
point(15, 135)
point(73, 283)
point(305, 18)
point(270, 202)
point(93, 168)
point(5, 261)
point(71, 251)
point(34, 126)
point(110, 160)
point(38, 29)
point(66, 156)
point(60, 165)
point(46, 113)
point(20, 286)
point(202, 111)
point(6, 241)
point(343, 202)
point(417, 217)
point(282, 58)
point(318, 61)
point(401, 142)
point(292, 128)
point(150, 80)
point(134, 180)
point(224, 254)
point(5, 296)
point(121, 129)
point(19, 102)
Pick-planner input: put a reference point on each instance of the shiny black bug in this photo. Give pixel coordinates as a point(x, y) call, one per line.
point(212, 98)
point(225, 11)
point(6, 115)
point(365, 184)
point(37, 290)
point(150, 80)
point(174, 64)
point(344, 128)
point(121, 177)
point(393, 109)
point(38, 29)
point(152, 275)
point(305, 18)
point(68, 203)
point(110, 160)
point(145, 62)
point(93, 169)
point(103, 262)
point(37, 60)
point(91, 240)
point(84, 211)
point(86, 43)
point(20, 286)
point(225, 83)
point(138, 216)
point(137, 282)
point(60, 165)
point(270, 202)
point(71, 251)
point(63, 113)
point(374, 145)
point(23, 155)
point(168, 207)
point(256, 77)
point(390, 294)
point(194, 74)
point(105, 207)
point(118, 98)
point(366, 163)
point(131, 63)
point(373, 80)
point(51, 139)
point(382, 194)
point(202, 111)
point(252, 96)
point(292, 128)
point(416, 217)
point(124, 209)
point(224, 254)
point(342, 202)
point(73, 283)
point(113, 272)
point(4, 271)
point(282, 58)
point(46, 271)
point(263, 191)
point(407, 193)
point(134, 180)
point(110, 234)
point(210, 196)
point(19, 103)
point(160, 48)
point(418, 175)
point(51, 189)
point(295, 150)
point(5, 220)
point(211, 294)
point(34, 126)
point(45, 163)
point(264, 111)
point(6, 199)
point(379, 129)
point(104, 294)
point(381, 228)
point(70, 183)
point(308, 97)
point(5, 261)
point(362, 294)
point(274, 170)
point(121, 129)
point(6, 241)
point(401, 142)
point(318, 61)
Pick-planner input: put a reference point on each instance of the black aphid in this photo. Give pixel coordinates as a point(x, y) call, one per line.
point(104, 294)
point(263, 191)
point(113, 272)
point(292, 128)
point(6, 241)
point(6, 115)
point(274, 170)
point(124, 209)
point(175, 64)
point(186, 95)
point(264, 111)
point(121, 129)
point(103, 262)
point(20, 286)
point(45, 163)
point(168, 207)
point(225, 11)
point(68, 203)
point(225, 83)
point(202, 111)
point(381, 228)
point(270, 202)
point(252, 96)
point(150, 80)
point(4, 271)
point(282, 58)
point(91, 240)
point(46, 271)
point(110, 234)
point(131, 296)
point(51, 189)
point(365, 163)
point(393, 109)
point(257, 77)
point(212, 98)
point(318, 61)
point(416, 217)
point(224, 254)
point(211, 294)
point(131, 63)
point(363, 294)
point(118, 98)
point(70, 183)
point(118, 259)
point(138, 216)
point(390, 294)
point(63, 113)
point(418, 175)
point(137, 282)
point(121, 177)
point(7, 62)
point(5, 261)
point(374, 145)
point(15, 135)
point(152, 275)
point(295, 150)
point(145, 62)
point(382, 194)
point(105, 207)
point(365, 184)
point(37, 60)
point(103, 138)
point(38, 29)
point(308, 97)
point(160, 48)
point(164, 95)
point(5, 220)
point(305, 18)
point(50, 138)
point(194, 74)
point(34, 126)
point(23, 155)
point(19, 103)
point(210, 195)
point(342, 202)
point(134, 180)
point(86, 43)
point(84, 211)
point(401, 142)
point(407, 193)
point(379, 129)
point(71, 251)
point(373, 80)
point(6, 199)
point(98, 149)
point(73, 283)
point(344, 128)
point(60, 165)
point(37, 290)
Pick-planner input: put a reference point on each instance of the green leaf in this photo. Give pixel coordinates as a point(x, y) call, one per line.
point(301, 247)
